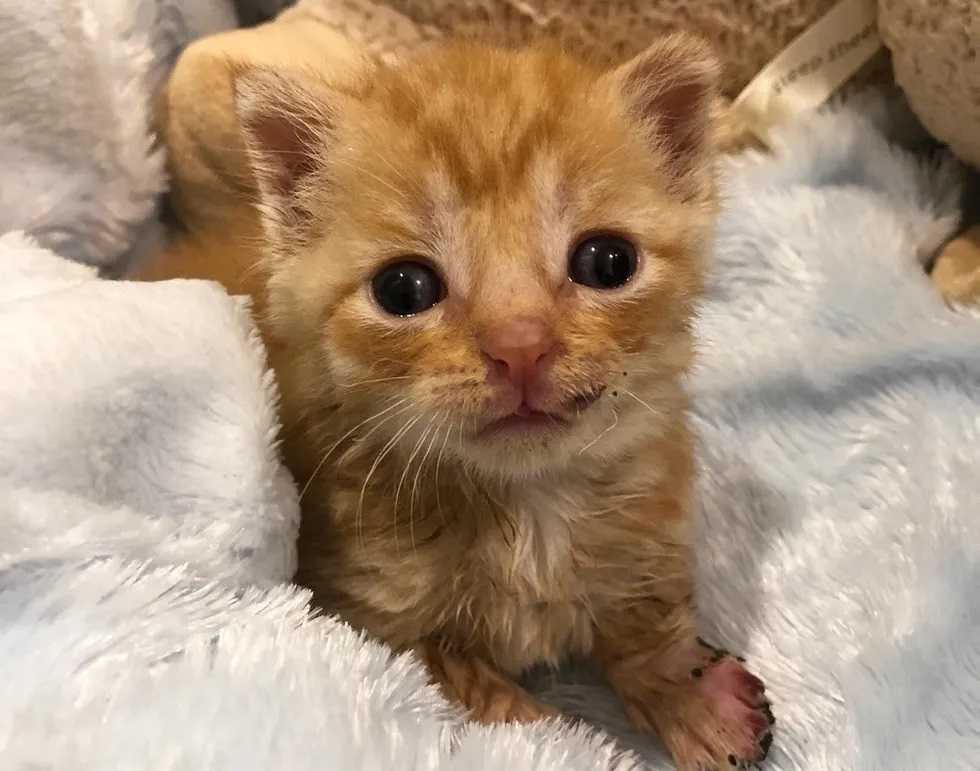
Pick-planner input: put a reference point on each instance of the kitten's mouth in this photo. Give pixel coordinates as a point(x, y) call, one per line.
point(525, 419)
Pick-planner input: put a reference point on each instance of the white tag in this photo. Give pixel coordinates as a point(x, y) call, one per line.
point(811, 68)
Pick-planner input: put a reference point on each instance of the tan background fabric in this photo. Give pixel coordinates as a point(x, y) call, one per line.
point(746, 33)
point(934, 50)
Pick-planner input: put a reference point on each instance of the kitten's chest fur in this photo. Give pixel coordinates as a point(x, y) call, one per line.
point(527, 581)
point(518, 578)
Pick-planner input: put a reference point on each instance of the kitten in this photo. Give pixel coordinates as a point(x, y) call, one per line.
point(479, 274)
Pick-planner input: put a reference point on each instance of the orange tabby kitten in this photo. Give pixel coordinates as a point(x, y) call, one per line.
point(478, 281)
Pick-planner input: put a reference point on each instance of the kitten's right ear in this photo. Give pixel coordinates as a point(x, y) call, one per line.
point(671, 88)
point(287, 125)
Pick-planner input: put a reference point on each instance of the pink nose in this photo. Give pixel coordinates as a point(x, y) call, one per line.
point(519, 349)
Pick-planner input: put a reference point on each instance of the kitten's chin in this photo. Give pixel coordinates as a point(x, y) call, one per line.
point(519, 456)
point(526, 446)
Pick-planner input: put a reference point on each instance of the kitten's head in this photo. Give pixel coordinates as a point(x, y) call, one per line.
point(494, 253)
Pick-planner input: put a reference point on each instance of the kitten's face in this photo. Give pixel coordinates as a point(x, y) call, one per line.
point(493, 254)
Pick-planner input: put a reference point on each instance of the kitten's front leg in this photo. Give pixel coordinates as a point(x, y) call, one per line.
point(707, 708)
point(488, 695)
point(957, 268)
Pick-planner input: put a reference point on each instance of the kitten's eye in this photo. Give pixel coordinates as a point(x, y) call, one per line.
point(407, 288)
point(603, 262)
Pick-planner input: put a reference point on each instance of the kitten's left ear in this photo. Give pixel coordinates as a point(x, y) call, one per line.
point(287, 125)
point(671, 89)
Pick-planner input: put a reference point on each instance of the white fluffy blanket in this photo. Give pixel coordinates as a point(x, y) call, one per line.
point(146, 526)
point(78, 168)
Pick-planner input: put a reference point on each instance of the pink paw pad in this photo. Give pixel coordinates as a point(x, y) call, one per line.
point(738, 700)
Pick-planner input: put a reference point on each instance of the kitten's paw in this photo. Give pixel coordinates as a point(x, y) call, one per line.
point(735, 699)
point(957, 268)
point(720, 719)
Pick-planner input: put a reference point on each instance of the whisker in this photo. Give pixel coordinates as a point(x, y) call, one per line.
point(638, 399)
point(442, 450)
point(374, 380)
point(602, 433)
point(358, 524)
point(376, 426)
point(401, 481)
point(415, 482)
point(336, 444)
point(381, 456)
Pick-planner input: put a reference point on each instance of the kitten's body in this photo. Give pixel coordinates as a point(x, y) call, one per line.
point(517, 574)
point(429, 520)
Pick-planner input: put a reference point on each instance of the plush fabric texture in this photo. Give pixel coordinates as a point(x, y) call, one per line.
point(935, 52)
point(136, 421)
point(78, 165)
point(146, 618)
point(745, 33)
